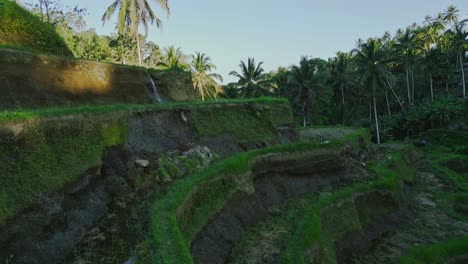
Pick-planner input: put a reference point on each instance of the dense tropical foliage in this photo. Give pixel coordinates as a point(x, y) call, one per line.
point(387, 83)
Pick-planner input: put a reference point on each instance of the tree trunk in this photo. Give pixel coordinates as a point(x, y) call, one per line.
point(47, 11)
point(303, 114)
point(376, 120)
point(412, 82)
point(41, 9)
point(370, 112)
point(432, 88)
point(388, 105)
point(139, 50)
point(396, 96)
point(446, 84)
point(408, 86)
point(342, 104)
point(463, 74)
point(342, 94)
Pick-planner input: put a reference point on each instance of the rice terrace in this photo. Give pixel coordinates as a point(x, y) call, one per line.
point(313, 132)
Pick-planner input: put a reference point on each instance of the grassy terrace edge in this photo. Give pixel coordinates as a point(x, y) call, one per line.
point(171, 244)
point(27, 114)
point(436, 253)
point(392, 174)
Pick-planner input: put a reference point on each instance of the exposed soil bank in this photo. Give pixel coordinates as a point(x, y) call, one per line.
point(276, 178)
point(48, 229)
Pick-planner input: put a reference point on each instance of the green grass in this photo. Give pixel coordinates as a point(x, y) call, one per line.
point(311, 232)
point(449, 200)
point(48, 156)
point(173, 230)
point(436, 253)
point(19, 29)
point(27, 114)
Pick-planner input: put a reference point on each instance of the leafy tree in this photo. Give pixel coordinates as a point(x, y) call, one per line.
point(204, 81)
point(252, 82)
point(151, 53)
point(132, 14)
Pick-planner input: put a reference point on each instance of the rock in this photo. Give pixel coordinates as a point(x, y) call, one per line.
point(426, 202)
point(132, 260)
point(142, 163)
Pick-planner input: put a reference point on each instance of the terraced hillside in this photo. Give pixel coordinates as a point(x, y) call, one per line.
point(63, 169)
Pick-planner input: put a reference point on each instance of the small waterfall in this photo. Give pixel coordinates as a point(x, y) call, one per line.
point(155, 96)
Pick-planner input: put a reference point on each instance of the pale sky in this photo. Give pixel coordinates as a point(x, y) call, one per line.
point(276, 32)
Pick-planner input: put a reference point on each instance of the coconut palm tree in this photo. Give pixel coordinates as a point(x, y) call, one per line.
point(431, 64)
point(459, 41)
point(174, 58)
point(307, 81)
point(252, 82)
point(371, 63)
point(406, 45)
point(204, 81)
point(132, 14)
point(341, 79)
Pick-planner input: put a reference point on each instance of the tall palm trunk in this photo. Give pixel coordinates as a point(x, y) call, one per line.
point(342, 104)
point(432, 88)
point(446, 84)
point(139, 49)
point(41, 9)
point(388, 105)
point(408, 86)
point(370, 112)
point(412, 86)
point(375, 112)
point(342, 94)
point(303, 114)
point(396, 96)
point(462, 68)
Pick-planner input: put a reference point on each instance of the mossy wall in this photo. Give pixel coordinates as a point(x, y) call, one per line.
point(29, 80)
point(22, 30)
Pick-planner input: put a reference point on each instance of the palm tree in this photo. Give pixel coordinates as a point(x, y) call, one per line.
point(280, 82)
point(371, 64)
point(451, 15)
point(460, 42)
point(230, 91)
point(406, 44)
point(174, 58)
point(203, 80)
point(252, 82)
point(341, 80)
point(132, 14)
point(307, 80)
point(432, 63)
